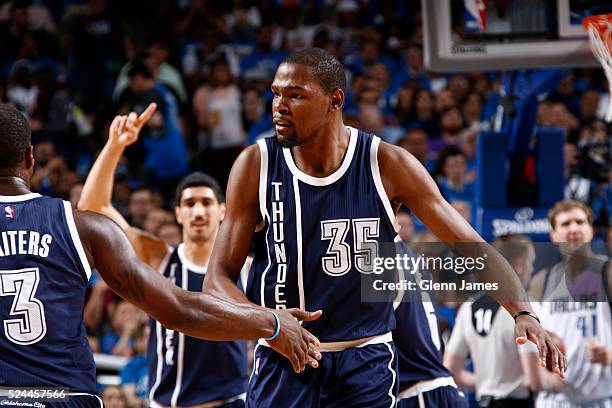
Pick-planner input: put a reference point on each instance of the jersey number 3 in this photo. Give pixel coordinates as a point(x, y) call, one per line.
point(28, 325)
point(337, 261)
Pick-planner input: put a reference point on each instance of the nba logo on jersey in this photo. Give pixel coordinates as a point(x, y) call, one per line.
point(9, 212)
point(475, 16)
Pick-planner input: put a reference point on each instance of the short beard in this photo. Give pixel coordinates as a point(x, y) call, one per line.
point(290, 142)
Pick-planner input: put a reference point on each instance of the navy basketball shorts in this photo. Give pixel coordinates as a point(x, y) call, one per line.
point(356, 377)
point(442, 397)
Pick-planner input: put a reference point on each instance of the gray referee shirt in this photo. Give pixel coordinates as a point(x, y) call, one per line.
point(484, 331)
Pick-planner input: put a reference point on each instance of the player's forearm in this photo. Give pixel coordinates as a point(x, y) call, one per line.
point(222, 286)
point(98, 189)
point(212, 318)
point(466, 380)
point(510, 292)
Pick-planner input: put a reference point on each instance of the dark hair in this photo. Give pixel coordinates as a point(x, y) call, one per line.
point(15, 136)
point(324, 66)
point(443, 156)
point(198, 179)
point(139, 68)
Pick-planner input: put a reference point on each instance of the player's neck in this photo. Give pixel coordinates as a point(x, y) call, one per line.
point(324, 153)
point(13, 183)
point(198, 252)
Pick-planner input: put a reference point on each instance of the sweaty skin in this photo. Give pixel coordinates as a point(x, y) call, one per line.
point(309, 120)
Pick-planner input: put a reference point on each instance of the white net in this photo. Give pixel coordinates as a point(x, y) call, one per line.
point(600, 38)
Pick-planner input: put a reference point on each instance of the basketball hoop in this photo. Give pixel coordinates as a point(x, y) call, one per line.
point(600, 37)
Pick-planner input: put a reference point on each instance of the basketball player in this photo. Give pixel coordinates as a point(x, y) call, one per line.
point(46, 257)
point(505, 374)
point(575, 296)
point(326, 195)
point(423, 379)
point(183, 371)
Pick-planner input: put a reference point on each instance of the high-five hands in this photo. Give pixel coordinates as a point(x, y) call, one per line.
point(294, 342)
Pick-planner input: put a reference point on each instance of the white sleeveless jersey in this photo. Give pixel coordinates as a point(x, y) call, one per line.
point(578, 323)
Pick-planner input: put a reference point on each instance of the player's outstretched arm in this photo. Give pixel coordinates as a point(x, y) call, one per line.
point(406, 181)
point(98, 189)
point(232, 247)
point(194, 313)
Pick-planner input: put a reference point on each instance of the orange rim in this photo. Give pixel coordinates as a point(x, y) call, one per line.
point(600, 21)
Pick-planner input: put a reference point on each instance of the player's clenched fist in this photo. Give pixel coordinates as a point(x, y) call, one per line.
point(294, 342)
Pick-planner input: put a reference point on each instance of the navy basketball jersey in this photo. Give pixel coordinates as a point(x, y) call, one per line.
point(43, 281)
point(184, 370)
point(318, 237)
point(416, 335)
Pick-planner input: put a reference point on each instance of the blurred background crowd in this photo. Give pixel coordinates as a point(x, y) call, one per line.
point(71, 65)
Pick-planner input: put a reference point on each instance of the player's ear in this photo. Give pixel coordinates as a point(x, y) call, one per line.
point(337, 100)
point(177, 213)
point(29, 157)
point(222, 211)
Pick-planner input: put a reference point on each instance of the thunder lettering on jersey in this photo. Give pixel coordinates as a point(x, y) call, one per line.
point(43, 282)
point(309, 253)
point(184, 370)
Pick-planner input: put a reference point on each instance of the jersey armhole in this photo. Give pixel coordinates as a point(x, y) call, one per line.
point(76, 240)
point(263, 183)
point(382, 194)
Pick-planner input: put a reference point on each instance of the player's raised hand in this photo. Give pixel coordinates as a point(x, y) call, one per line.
point(528, 328)
point(294, 342)
point(124, 129)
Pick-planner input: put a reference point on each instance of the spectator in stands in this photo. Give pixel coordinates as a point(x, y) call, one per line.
point(424, 115)
point(602, 203)
point(416, 142)
point(170, 233)
point(589, 105)
point(468, 138)
point(445, 99)
point(94, 34)
point(472, 108)
point(451, 172)
point(217, 111)
point(254, 116)
point(451, 124)
point(371, 120)
point(114, 397)
point(165, 157)
point(134, 373)
point(459, 86)
point(125, 320)
point(156, 217)
point(157, 53)
point(576, 187)
point(141, 203)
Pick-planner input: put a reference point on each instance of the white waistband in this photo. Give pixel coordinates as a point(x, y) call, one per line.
point(343, 345)
point(425, 386)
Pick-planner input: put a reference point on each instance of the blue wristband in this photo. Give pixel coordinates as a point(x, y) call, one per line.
point(277, 329)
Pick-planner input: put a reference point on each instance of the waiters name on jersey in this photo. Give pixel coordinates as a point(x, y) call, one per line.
point(278, 234)
point(24, 243)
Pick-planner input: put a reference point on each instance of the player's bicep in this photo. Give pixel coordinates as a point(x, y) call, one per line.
point(241, 218)
point(112, 255)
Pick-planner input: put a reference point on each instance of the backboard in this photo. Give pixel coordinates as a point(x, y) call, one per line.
point(478, 35)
